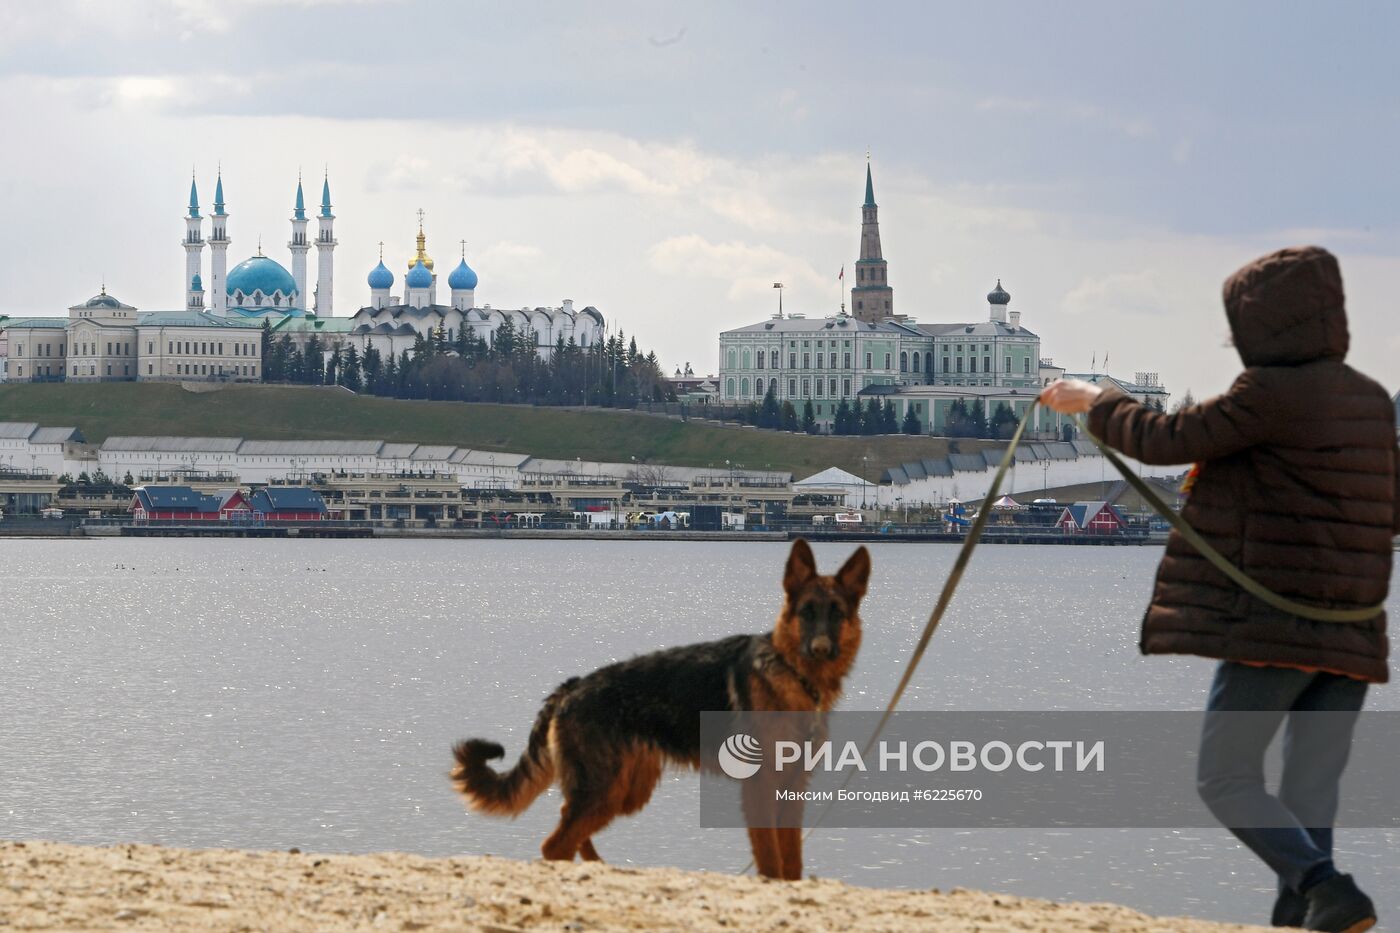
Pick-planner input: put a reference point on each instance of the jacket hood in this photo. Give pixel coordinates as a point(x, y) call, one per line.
point(1288, 308)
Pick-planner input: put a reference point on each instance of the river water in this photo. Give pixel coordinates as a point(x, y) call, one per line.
point(275, 693)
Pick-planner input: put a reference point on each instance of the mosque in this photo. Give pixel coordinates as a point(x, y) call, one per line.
point(260, 287)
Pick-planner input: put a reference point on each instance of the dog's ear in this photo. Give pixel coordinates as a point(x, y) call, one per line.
point(855, 574)
point(801, 567)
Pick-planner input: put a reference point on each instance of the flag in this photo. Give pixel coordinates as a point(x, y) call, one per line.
point(1105, 361)
point(1094, 363)
point(842, 276)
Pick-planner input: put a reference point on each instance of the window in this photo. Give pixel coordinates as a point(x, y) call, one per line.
point(1026, 366)
point(833, 360)
point(860, 305)
point(806, 361)
point(946, 369)
point(792, 361)
point(845, 387)
point(149, 369)
point(971, 364)
point(773, 359)
point(806, 387)
point(758, 385)
point(833, 388)
point(760, 359)
point(150, 346)
point(868, 364)
point(915, 361)
point(729, 361)
point(792, 387)
point(846, 360)
point(1008, 365)
point(888, 359)
point(986, 364)
point(729, 387)
point(904, 362)
point(746, 357)
point(960, 364)
point(819, 388)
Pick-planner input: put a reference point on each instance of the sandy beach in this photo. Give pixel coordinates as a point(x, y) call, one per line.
point(51, 886)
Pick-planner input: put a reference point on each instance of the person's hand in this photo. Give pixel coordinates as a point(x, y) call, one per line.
point(1070, 396)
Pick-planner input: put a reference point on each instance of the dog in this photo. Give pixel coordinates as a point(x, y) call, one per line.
point(606, 737)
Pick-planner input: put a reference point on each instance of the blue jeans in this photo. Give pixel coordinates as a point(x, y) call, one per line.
point(1291, 832)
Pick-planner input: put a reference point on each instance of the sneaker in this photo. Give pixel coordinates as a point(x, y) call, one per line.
point(1337, 905)
point(1290, 910)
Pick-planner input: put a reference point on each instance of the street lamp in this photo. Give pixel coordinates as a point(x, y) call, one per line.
point(863, 481)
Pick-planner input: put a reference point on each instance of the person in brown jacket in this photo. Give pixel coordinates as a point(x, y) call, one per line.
point(1297, 483)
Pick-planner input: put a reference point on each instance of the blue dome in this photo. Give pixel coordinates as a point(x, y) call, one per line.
point(381, 277)
point(260, 274)
point(462, 277)
point(196, 283)
point(419, 276)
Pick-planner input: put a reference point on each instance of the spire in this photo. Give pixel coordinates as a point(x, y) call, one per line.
point(326, 195)
point(194, 197)
point(219, 193)
point(422, 254)
point(869, 184)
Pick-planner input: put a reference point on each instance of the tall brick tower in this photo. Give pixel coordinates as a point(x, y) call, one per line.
point(872, 299)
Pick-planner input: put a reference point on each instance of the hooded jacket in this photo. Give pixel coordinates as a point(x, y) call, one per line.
point(1298, 485)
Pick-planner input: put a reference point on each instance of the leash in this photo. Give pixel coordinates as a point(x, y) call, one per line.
point(1220, 561)
point(1150, 496)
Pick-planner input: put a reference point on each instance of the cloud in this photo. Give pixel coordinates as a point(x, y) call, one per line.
point(1119, 293)
point(750, 269)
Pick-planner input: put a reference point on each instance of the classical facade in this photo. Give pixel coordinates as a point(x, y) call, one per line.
point(106, 340)
point(873, 351)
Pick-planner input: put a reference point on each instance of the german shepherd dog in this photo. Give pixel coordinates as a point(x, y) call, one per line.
point(605, 737)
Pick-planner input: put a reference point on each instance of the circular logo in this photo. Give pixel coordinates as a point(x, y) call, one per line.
point(740, 756)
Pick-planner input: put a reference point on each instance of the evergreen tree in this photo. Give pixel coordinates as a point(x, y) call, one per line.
point(870, 417)
point(769, 415)
point(809, 418)
point(889, 422)
point(842, 421)
point(350, 366)
point(789, 417)
point(1003, 421)
point(267, 350)
point(911, 421)
point(977, 420)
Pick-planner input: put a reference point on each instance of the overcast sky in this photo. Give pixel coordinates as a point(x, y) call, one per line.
point(667, 163)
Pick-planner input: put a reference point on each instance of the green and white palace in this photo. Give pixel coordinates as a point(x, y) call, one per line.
point(874, 352)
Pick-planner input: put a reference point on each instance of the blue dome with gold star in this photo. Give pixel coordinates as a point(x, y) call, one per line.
point(419, 276)
point(462, 277)
point(381, 277)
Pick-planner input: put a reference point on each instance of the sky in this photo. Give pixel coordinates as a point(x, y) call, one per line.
point(667, 163)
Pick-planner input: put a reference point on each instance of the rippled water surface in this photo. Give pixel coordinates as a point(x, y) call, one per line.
point(270, 694)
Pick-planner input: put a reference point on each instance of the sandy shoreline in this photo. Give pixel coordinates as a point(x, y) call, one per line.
point(52, 886)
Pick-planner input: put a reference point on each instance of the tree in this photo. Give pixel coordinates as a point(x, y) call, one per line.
point(911, 421)
point(841, 423)
point(789, 417)
point(870, 417)
point(128, 479)
point(769, 415)
point(1186, 401)
point(350, 368)
point(889, 422)
point(977, 420)
point(1003, 421)
point(809, 418)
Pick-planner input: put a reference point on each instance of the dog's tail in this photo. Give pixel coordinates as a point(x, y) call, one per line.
point(511, 792)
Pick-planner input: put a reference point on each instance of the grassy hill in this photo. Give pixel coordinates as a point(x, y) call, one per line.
point(101, 410)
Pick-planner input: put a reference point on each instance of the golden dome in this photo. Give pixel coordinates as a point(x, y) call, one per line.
point(422, 255)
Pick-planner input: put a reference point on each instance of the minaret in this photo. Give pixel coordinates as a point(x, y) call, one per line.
point(218, 250)
point(872, 299)
point(194, 244)
point(325, 250)
point(299, 244)
point(197, 294)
